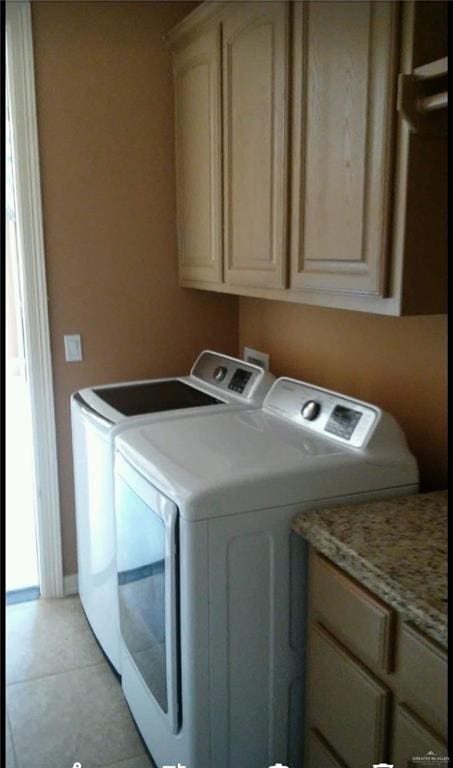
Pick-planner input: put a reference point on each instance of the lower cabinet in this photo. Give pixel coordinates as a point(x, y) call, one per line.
point(427, 689)
point(320, 754)
point(348, 706)
point(365, 707)
point(412, 739)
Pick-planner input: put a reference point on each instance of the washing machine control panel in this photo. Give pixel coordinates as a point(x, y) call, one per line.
point(239, 380)
point(346, 420)
point(343, 421)
point(227, 374)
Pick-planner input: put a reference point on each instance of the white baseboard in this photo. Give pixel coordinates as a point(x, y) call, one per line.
point(70, 584)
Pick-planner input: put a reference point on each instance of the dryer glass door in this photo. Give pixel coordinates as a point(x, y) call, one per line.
point(147, 583)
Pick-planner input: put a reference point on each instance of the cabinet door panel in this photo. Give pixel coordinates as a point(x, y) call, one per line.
point(346, 704)
point(255, 93)
point(359, 620)
point(198, 158)
point(319, 755)
point(424, 677)
point(413, 739)
point(344, 78)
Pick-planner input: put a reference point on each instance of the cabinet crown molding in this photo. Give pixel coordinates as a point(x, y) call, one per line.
point(195, 22)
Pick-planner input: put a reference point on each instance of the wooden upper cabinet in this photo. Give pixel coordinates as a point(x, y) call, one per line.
point(344, 98)
point(255, 76)
point(198, 156)
point(299, 175)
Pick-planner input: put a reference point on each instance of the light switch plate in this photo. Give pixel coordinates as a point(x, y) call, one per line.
point(257, 358)
point(73, 348)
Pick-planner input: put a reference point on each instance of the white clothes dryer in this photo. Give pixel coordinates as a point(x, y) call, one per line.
point(216, 383)
point(211, 579)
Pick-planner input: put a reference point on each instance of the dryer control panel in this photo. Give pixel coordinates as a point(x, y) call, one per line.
point(229, 374)
point(328, 413)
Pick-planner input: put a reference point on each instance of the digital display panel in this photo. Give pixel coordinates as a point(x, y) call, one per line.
point(239, 380)
point(343, 421)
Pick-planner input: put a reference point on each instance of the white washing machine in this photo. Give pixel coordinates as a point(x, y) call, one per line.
point(216, 383)
point(211, 580)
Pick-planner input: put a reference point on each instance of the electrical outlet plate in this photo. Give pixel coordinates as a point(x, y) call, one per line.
point(257, 358)
point(73, 348)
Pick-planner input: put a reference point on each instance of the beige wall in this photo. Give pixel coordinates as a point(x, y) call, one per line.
point(105, 121)
point(398, 363)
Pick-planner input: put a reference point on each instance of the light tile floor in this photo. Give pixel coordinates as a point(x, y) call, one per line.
point(63, 702)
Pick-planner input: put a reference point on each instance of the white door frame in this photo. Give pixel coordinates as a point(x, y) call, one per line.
point(30, 242)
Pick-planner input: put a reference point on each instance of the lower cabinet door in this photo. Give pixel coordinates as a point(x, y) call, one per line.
point(424, 678)
point(346, 704)
point(412, 741)
point(319, 755)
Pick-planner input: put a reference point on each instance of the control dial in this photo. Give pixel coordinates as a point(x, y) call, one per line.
point(310, 410)
point(220, 372)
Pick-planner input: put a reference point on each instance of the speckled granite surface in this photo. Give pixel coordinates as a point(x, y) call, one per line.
point(397, 548)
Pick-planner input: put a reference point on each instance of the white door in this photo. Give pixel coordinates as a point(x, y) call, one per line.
point(29, 244)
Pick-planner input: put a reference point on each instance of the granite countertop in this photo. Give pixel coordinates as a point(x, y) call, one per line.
point(397, 548)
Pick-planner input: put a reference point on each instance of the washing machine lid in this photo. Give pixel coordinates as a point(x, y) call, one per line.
point(214, 380)
point(232, 462)
point(154, 396)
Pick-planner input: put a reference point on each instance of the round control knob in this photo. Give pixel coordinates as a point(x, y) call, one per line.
point(220, 373)
point(310, 410)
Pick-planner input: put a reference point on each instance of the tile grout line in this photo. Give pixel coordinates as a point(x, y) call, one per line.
point(56, 674)
point(13, 745)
